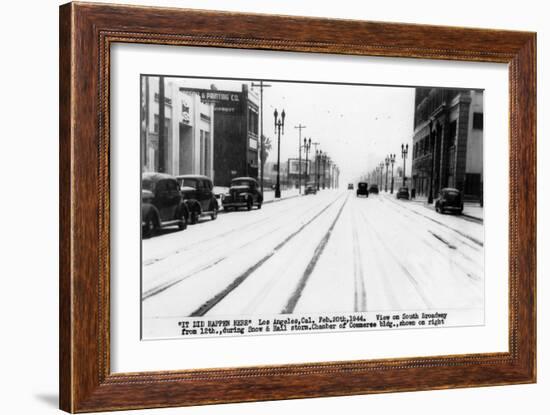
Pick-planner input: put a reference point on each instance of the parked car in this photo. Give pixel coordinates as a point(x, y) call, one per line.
point(161, 204)
point(362, 189)
point(402, 193)
point(373, 188)
point(198, 195)
point(350, 186)
point(243, 192)
point(310, 189)
point(449, 199)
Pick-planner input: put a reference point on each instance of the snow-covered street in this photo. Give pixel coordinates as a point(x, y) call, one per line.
point(329, 252)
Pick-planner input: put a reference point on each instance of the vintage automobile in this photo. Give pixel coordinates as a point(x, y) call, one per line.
point(310, 189)
point(161, 204)
point(402, 193)
point(198, 195)
point(449, 199)
point(373, 189)
point(350, 186)
point(243, 192)
point(362, 189)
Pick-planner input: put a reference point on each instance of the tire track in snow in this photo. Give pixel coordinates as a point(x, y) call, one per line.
point(464, 235)
point(295, 297)
point(360, 300)
point(209, 304)
point(407, 273)
point(196, 244)
point(200, 268)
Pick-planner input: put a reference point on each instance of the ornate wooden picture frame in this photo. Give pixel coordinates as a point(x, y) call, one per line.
point(87, 32)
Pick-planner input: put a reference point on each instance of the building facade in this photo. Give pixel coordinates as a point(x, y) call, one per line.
point(236, 133)
point(448, 141)
point(188, 133)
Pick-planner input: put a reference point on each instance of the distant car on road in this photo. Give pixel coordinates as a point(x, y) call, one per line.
point(243, 192)
point(198, 195)
point(449, 199)
point(310, 189)
point(350, 186)
point(161, 204)
point(402, 193)
point(373, 189)
point(362, 189)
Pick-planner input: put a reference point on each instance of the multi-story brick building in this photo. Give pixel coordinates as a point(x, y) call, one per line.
point(236, 133)
point(448, 141)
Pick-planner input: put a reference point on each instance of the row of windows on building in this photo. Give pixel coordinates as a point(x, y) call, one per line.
point(422, 147)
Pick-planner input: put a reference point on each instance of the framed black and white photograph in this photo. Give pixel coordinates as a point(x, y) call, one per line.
point(285, 207)
point(320, 208)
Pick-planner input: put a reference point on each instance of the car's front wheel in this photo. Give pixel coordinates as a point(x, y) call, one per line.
point(183, 224)
point(249, 204)
point(183, 216)
point(194, 216)
point(148, 227)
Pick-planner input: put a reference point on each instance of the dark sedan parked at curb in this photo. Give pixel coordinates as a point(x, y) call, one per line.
point(161, 204)
point(198, 196)
point(362, 189)
point(450, 200)
point(402, 193)
point(373, 189)
point(243, 192)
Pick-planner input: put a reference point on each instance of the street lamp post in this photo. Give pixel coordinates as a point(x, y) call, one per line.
point(307, 146)
point(404, 151)
point(279, 126)
point(381, 165)
point(324, 160)
point(317, 157)
point(300, 127)
point(387, 163)
point(392, 160)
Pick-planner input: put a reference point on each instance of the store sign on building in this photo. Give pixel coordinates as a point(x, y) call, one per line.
point(252, 143)
point(185, 117)
point(219, 97)
point(228, 102)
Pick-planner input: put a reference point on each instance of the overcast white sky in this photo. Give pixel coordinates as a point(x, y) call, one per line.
point(356, 125)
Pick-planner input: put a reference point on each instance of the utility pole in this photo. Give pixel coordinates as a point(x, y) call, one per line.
point(300, 127)
point(161, 135)
point(262, 161)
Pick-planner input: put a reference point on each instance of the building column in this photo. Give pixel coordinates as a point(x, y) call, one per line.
point(462, 144)
point(443, 134)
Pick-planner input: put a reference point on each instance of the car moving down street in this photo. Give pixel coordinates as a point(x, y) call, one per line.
point(362, 189)
point(373, 189)
point(310, 189)
point(243, 192)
